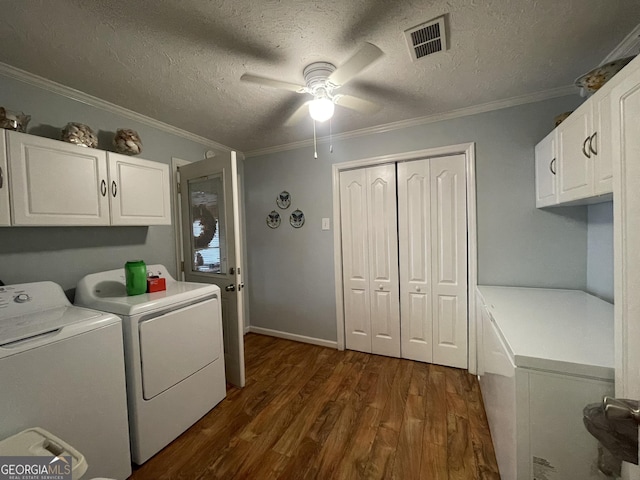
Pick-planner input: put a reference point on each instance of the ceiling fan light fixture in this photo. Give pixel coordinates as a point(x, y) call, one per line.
point(321, 109)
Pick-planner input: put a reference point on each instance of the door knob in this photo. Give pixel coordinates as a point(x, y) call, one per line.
point(417, 289)
point(381, 288)
point(230, 288)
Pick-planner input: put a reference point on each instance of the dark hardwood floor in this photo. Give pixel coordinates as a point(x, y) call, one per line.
point(314, 412)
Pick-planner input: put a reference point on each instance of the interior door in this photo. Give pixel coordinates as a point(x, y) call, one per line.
point(414, 239)
point(625, 111)
point(449, 260)
point(383, 260)
point(211, 229)
point(355, 260)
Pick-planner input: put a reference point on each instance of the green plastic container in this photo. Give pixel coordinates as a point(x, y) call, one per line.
point(135, 273)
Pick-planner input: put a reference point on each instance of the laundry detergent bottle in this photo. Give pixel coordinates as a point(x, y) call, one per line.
point(135, 273)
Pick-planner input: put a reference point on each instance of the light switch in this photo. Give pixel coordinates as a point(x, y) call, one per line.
point(325, 224)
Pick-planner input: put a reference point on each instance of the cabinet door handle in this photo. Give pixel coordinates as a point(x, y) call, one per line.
point(592, 140)
point(1, 178)
point(114, 188)
point(103, 188)
point(552, 166)
point(584, 147)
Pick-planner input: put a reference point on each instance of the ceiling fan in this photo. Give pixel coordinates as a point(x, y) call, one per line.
point(322, 79)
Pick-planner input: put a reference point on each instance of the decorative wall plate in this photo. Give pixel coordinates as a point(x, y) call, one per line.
point(273, 219)
point(284, 200)
point(296, 219)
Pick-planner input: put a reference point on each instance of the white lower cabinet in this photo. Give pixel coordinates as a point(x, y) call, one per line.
point(58, 183)
point(5, 215)
point(535, 380)
point(404, 255)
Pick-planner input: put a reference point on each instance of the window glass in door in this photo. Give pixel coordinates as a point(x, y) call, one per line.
point(208, 233)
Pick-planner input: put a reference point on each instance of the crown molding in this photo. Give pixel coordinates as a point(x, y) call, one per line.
point(630, 45)
point(77, 95)
point(413, 122)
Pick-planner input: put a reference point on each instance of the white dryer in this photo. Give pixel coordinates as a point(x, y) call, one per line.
point(173, 353)
point(62, 369)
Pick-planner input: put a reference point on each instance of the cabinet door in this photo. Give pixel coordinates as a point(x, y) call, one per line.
point(575, 162)
point(546, 164)
point(449, 260)
point(414, 242)
point(383, 260)
point(5, 217)
point(600, 145)
point(139, 191)
point(56, 183)
point(355, 260)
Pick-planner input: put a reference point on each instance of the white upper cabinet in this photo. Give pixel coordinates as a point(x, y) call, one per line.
point(5, 216)
point(583, 152)
point(138, 191)
point(600, 144)
point(575, 163)
point(546, 165)
point(58, 183)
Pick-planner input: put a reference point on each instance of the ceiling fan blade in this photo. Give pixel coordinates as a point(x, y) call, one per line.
point(268, 82)
point(297, 116)
point(358, 104)
point(364, 57)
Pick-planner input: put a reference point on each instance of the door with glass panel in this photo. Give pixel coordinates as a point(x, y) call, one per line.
point(211, 231)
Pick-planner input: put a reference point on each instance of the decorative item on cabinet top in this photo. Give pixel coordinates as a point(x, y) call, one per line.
point(273, 219)
point(284, 200)
point(79, 134)
point(561, 118)
point(296, 219)
point(594, 80)
point(14, 121)
point(127, 142)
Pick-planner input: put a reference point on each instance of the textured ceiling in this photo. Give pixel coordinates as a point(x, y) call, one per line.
point(180, 61)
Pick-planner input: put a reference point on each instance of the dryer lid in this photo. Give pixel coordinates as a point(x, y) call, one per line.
point(106, 291)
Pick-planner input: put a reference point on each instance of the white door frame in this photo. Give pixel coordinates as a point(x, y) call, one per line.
point(468, 150)
point(177, 213)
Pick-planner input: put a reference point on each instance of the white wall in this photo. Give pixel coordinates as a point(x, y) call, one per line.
point(291, 271)
point(65, 254)
point(600, 250)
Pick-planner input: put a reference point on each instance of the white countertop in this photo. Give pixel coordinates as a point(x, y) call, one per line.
point(565, 331)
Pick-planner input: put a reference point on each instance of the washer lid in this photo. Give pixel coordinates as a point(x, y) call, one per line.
point(14, 329)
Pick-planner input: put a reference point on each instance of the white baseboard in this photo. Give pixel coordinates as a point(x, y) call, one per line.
point(293, 336)
point(247, 329)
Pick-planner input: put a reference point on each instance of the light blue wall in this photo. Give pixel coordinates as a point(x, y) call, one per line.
point(291, 271)
point(66, 254)
point(600, 250)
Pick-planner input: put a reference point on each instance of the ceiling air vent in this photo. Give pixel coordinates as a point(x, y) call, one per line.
point(426, 38)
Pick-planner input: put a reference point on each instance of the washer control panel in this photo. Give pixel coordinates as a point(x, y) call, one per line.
point(26, 298)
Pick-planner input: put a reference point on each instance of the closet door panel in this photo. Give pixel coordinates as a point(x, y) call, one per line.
point(449, 256)
point(414, 237)
point(383, 260)
point(355, 258)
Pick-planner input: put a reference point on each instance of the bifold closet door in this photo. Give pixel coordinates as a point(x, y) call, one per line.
point(370, 260)
point(432, 229)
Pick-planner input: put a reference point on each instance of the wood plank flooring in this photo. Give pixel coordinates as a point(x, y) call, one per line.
point(314, 412)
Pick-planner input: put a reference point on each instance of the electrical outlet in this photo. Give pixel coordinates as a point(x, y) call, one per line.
point(325, 224)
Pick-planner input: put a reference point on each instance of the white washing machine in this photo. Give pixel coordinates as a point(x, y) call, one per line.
point(173, 353)
point(62, 369)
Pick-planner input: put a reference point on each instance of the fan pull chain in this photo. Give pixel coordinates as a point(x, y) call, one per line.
point(315, 143)
point(330, 138)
